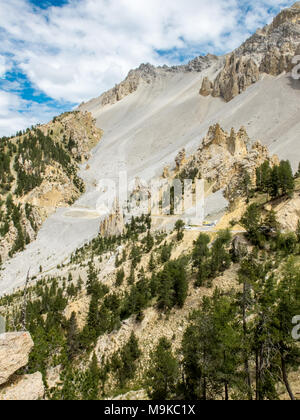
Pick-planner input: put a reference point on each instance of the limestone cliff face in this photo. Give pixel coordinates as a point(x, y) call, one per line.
point(148, 73)
point(113, 225)
point(77, 131)
point(270, 50)
point(145, 73)
point(237, 75)
point(224, 159)
point(14, 353)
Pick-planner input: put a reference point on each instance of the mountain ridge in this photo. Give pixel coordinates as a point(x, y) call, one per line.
point(268, 44)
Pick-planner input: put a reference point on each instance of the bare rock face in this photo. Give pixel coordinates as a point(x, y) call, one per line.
point(288, 214)
point(224, 159)
point(180, 159)
point(14, 352)
point(237, 75)
point(207, 87)
point(24, 388)
point(282, 36)
point(146, 73)
point(275, 63)
point(239, 247)
point(113, 225)
point(270, 50)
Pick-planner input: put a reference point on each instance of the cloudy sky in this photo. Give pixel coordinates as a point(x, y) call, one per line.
point(55, 54)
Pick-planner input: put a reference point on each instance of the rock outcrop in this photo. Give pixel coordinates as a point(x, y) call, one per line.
point(180, 159)
point(270, 50)
point(113, 225)
point(148, 73)
point(288, 213)
point(77, 130)
point(237, 75)
point(24, 388)
point(207, 87)
point(14, 354)
point(58, 184)
point(224, 159)
point(145, 73)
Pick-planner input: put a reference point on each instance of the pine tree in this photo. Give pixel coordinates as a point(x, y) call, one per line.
point(288, 305)
point(120, 278)
point(211, 350)
point(251, 221)
point(298, 231)
point(152, 263)
point(91, 382)
point(131, 278)
point(162, 375)
point(124, 362)
point(200, 257)
point(72, 337)
point(179, 227)
point(149, 242)
point(286, 178)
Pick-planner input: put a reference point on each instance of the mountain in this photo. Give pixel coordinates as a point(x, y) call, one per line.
point(39, 174)
point(109, 294)
point(156, 112)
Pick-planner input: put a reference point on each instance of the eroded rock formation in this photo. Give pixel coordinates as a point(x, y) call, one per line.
point(113, 225)
point(270, 50)
point(224, 159)
point(237, 75)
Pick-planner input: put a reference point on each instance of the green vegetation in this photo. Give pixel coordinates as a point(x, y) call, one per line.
point(179, 227)
point(211, 262)
point(163, 373)
point(237, 344)
point(277, 181)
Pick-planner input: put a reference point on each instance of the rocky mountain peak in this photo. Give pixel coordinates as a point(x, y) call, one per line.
point(270, 50)
point(147, 73)
point(282, 36)
point(289, 16)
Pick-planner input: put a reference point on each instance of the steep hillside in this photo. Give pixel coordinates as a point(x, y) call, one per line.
point(39, 174)
point(106, 310)
point(154, 305)
point(155, 113)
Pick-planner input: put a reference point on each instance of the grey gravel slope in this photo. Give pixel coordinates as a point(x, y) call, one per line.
point(144, 132)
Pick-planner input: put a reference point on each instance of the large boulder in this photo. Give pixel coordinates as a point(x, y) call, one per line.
point(14, 352)
point(24, 388)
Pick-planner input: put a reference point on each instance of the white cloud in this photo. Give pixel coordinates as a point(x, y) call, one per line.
point(17, 114)
point(76, 52)
point(3, 66)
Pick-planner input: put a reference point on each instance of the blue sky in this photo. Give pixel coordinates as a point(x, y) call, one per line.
point(55, 54)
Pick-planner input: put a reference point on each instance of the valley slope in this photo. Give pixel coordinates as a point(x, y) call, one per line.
point(150, 117)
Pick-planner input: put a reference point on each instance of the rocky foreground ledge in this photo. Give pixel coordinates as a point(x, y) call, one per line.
point(14, 353)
